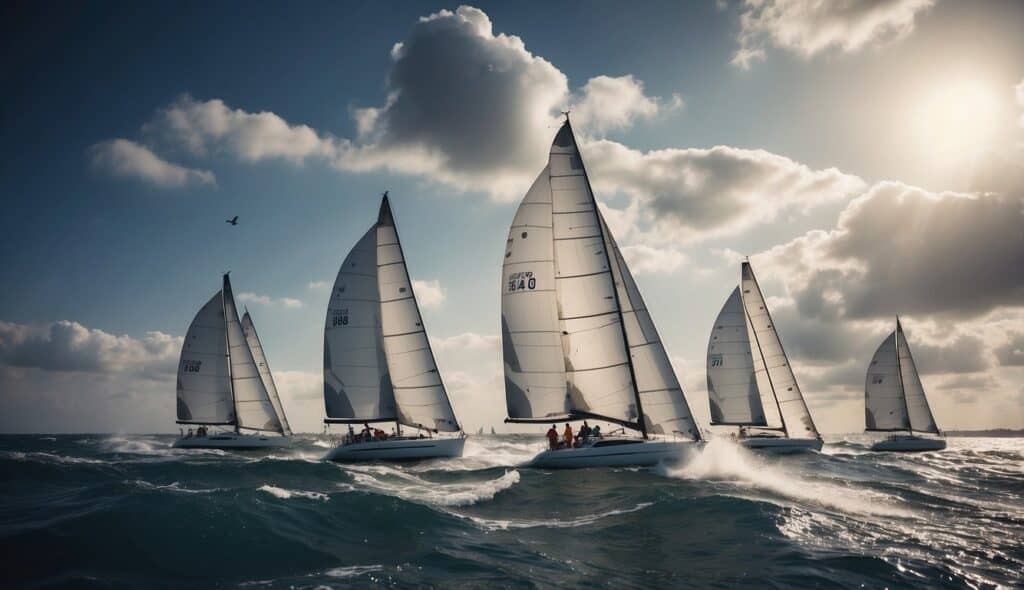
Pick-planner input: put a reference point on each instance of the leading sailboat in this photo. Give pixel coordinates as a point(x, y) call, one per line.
point(577, 339)
point(750, 381)
point(224, 380)
point(378, 364)
point(894, 399)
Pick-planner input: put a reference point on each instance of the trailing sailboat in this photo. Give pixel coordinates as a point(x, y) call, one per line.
point(750, 381)
point(224, 380)
point(894, 399)
point(378, 364)
point(578, 341)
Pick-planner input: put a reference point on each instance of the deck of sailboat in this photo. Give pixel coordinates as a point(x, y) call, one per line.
point(616, 452)
point(909, 443)
point(400, 448)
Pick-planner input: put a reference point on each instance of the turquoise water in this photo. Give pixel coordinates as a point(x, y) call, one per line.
point(128, 511)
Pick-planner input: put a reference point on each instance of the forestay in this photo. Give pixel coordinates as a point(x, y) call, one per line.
point(378, 364)
point(796, 418)
point(256, 347)
point(252, 401)
point(204, 381)
point(733, 391)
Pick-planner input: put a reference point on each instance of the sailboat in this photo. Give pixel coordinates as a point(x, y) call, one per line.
point(492, 430)
point(894, 399)
point(750, 381)
point(577, 339)
point(378, 364)
point(224, 380)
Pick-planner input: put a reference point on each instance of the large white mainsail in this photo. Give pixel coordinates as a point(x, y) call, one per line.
point(256, 347)
point(577, 338)
point(204, 379)
point(218, 379)
point(378, 364)
point(750, 380)
point(894, 397)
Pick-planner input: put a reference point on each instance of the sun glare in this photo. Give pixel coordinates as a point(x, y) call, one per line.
point(957, 120)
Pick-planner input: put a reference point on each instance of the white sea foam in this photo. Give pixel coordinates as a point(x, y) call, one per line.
point(554, 523)
point(353, 571)
point(286, 494)
point(171, 487)
point(477, 456)
point(394, 482)
point(41, 457)
point(725, 461)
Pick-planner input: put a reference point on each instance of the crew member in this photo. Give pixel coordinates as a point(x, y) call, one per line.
point(552, 438)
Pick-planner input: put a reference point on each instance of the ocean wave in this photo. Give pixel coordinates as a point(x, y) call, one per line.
point(394, 482)
point(724, 461)
point(353, 571)
point(41, 457)
point(171, 487)
point(494, 524)
point(286, 494)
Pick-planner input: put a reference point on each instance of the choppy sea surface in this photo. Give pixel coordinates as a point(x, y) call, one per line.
point(128, 511)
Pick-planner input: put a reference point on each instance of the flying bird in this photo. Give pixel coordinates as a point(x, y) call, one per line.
point(232, 221)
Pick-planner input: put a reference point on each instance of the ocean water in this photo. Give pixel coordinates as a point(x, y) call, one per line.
point(128, 511)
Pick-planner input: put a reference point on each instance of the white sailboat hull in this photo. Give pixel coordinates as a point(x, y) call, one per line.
point(909, 444)
point(631, 453)
point(231, 440)
point(783, 445)
point(412, 449)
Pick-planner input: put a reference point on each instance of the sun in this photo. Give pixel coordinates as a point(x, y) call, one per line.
point(956, 120)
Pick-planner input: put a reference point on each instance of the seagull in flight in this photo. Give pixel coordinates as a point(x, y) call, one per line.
point(232, 221)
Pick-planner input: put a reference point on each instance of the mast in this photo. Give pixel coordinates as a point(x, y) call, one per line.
point(899, 371)
point(225, 293)
point(615, 291)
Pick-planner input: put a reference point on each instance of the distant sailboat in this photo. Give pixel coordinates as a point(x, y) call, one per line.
point(378, 364)
point(481, 431)
point(750, 381)
point(492, 430)
point(224, 380)
point(894, 398)
point(578, 341)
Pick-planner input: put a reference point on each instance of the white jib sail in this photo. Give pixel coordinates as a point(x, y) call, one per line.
point(733, 392)
point(884, 405)
point(204, 380)
point(252, 402)
point(921, 418)
point(420, 394)
point(256, 347)
point(795, 415)
point(662, 400)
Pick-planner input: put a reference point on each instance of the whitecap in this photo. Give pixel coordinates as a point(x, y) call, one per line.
point(286, 494)
point(353, 571)
point(50, 458)
point(378, 478)
point(554, 523)
point(171, 487)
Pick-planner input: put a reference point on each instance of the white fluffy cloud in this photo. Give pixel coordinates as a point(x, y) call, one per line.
point(606, 103)
point(807, 27)
point(127, 159)
point(466, 341)
point(688, 194)
point(429, 294)
point(648, 260)
point(70, 346)
point(267, 300)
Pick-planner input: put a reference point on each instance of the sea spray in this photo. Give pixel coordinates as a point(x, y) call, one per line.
point(722, 460)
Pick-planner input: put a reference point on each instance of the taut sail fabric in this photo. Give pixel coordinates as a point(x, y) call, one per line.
point(256, 347)
point(577, 338)
point(378, 364)
point(894, 397)
point(253, 408)
point(733, 391)
point(204, 379)
point(796, 418)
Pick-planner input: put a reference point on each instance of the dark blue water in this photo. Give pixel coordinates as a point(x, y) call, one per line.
point(127, 511)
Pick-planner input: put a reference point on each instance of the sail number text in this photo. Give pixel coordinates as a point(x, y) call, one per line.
point(521, 281)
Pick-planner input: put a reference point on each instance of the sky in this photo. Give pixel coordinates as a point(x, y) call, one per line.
point(867, 157)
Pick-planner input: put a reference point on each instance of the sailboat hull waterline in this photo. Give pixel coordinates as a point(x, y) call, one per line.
point(909, 444)
point(617, 453)
point(782, 445)
point(233, 441)
point(401, 449)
